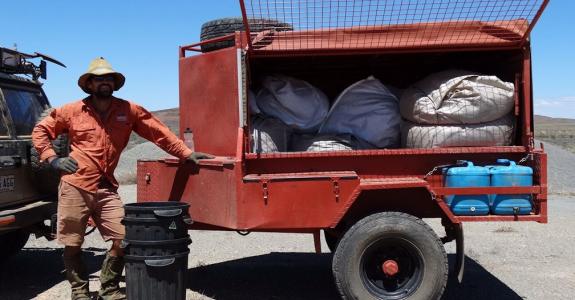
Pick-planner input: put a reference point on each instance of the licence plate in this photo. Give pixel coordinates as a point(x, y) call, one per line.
point(7, 183)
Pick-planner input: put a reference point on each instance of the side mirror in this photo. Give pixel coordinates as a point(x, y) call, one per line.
point(43, 70)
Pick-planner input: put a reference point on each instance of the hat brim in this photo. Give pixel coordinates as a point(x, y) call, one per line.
point(119, 79)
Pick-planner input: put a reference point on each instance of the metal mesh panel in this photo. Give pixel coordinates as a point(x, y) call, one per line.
point(361, 24)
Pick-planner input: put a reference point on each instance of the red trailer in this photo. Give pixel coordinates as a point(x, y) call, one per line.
point(369, 203)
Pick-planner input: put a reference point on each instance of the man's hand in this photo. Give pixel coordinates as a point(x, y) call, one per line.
point(65, 164)
point(196, 156)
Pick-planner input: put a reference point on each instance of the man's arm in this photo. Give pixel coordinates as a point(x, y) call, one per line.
point(152, 129)
point(47, 130)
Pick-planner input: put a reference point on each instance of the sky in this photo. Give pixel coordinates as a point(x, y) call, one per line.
point(141, 40)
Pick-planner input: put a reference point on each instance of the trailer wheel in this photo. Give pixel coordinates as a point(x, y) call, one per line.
point(390, 255)
point(222, 27)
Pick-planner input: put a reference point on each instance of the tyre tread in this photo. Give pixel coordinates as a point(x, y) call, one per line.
point(346, 239)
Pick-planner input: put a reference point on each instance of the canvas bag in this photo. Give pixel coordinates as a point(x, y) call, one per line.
point(367, 110)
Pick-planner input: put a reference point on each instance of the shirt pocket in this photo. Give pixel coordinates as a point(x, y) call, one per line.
point(85, 134)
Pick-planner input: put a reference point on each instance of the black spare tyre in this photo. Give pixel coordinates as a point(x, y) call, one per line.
point(222, 27)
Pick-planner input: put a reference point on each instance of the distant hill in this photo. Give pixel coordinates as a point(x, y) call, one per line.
point(559, 131)
point(170, 117)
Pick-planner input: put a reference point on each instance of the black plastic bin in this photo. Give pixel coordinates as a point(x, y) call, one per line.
point(156, 277)
point(156, 247)
point(154, 221)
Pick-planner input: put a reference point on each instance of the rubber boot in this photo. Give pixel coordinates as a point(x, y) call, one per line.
point(77, 276)
point(110, 278)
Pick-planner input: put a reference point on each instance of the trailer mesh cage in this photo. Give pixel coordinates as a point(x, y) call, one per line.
point(365, 24)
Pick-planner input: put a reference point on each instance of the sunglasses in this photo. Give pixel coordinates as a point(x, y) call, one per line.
point(103, 78)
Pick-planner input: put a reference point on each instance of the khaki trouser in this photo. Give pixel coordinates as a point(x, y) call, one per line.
point(75, 206)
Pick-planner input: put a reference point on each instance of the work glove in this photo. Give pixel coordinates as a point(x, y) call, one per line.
point(196, 156)
point(65, 164)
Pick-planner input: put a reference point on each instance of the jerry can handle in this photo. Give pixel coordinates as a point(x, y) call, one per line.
point(505, 161)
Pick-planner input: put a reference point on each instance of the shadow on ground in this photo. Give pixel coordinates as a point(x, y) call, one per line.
point(270, 276)
point(308, 276)
point(35, 270)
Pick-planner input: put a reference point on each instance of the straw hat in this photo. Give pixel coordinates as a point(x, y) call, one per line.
point(98, 67)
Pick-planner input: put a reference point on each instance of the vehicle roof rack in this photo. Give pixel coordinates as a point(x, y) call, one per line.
point(16, 62)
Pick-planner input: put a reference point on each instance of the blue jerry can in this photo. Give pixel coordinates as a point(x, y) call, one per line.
point(508, 173)
point(467, 176)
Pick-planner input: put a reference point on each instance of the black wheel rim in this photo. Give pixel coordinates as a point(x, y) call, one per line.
point(407, 257)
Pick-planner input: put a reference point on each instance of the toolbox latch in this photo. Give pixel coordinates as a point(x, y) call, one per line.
point(335, 182)
point(265, 191)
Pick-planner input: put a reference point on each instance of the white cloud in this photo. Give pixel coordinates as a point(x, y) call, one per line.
point(558, 107)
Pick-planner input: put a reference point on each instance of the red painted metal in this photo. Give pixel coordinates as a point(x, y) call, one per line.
point(528, 138)
point(246, 23)
point(202, 98)
point(308, 191)
point(196, 47)
point(317, 241)
point(390, 267)
point(487, 190)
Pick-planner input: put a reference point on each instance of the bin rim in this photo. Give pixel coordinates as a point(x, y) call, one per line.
point(149, 206)
point(158, 257)
point(187, 240)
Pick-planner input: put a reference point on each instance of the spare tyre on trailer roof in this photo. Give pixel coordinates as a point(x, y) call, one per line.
point(370, 201)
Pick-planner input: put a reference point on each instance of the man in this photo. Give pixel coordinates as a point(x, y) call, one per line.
point(98, 128)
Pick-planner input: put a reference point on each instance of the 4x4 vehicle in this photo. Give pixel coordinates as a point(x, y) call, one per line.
point(28, 189)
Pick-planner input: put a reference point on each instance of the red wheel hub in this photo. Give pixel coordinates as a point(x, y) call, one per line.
point(390, 267)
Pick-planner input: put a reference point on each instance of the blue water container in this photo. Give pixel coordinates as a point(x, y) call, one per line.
point(508, 173)
point(467, 176)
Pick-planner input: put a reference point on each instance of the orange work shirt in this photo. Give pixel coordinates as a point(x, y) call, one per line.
point(96, 143)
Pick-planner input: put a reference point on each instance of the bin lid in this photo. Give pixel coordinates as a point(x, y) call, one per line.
point(332, 25)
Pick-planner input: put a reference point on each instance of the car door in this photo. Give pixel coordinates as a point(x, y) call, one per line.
point(21, 106)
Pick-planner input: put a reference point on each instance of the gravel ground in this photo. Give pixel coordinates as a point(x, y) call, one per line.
point(504, 260)
point(560, 169)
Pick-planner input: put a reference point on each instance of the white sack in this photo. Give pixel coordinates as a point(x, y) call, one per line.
point(457, 97)
point(367, 110)
point(495, 133)
point(269, 135)
point(294, 102)
point(327, 142)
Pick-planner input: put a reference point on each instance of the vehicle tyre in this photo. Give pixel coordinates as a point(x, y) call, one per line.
point(46, 178)
point(12, 242)
point(390, 255)
point(331, 239)
point(222, 27)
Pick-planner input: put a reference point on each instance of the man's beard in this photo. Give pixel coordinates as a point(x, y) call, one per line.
point(104, 93)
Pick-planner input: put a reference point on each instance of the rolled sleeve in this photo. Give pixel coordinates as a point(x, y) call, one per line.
point(46, 131)
point(151, 128)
